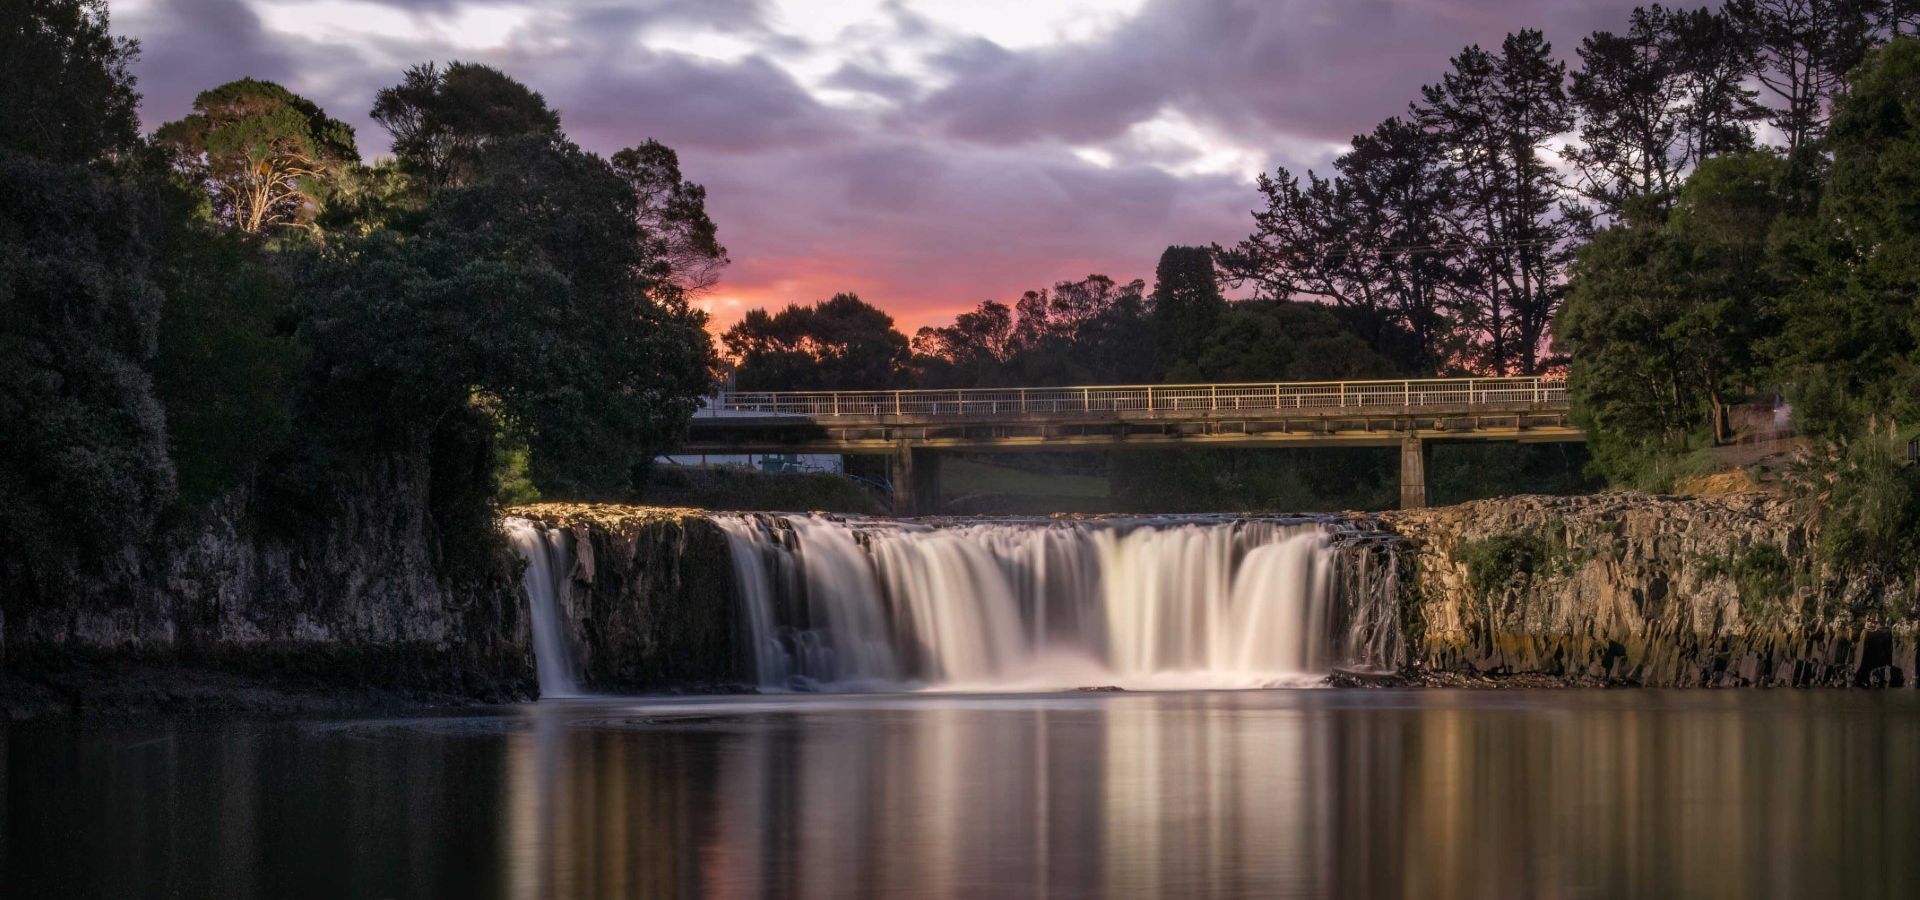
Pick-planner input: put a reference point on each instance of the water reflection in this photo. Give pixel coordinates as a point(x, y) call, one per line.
point(1301, 793)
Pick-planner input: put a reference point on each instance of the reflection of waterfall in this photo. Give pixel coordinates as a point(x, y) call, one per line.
point(1171, 602)
point(547, 581)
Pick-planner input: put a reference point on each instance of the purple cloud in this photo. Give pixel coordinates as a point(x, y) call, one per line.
point(924, 167)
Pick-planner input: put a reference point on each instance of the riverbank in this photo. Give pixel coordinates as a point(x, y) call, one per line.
point(1609, 589)
point(1635, 589)
point(115, 688)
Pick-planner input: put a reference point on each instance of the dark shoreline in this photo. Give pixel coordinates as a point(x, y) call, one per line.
point(106, 690)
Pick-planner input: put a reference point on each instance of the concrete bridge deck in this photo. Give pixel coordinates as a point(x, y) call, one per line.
point(911, 426)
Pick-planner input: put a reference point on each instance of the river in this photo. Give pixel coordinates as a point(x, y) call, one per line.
point(1262, 793)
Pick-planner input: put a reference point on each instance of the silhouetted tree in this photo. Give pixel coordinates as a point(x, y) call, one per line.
point(842, 343)
point(673, 215)
point(1493, 115)
point(442, 119)
point(1375, 240)
point(1655, 100)
point(974, 351)
point(1186, 300)
point(66, 83)
point(1805, 49)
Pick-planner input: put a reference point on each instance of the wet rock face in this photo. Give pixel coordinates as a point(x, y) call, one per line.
point(358, 600)
point(1630, 588)
point(650, 600)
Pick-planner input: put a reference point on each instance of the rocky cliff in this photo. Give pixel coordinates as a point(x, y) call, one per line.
point(1628, 588)
point(650, 597)
point(356, 601)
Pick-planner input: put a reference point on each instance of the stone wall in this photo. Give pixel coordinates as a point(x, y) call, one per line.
point(1630, 588)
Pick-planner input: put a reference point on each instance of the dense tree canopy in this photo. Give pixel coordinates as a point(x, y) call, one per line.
point(442, 119)
point(263, 152)
point(557, 322)
point(161, 353)
point(83, 459)
point(841, 343)
point(66, 83)
point(1850, 345)
point(671, 211)
point(1664, 317)
point(1093, 330)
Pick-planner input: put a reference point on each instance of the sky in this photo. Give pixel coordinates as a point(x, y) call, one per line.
point(925, 154)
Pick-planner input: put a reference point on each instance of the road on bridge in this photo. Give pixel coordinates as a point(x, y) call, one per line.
point(911, 426)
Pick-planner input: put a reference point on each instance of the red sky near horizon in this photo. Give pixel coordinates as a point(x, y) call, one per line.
point(926, 155)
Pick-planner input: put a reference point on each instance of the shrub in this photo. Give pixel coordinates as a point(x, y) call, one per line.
point(1496, 561)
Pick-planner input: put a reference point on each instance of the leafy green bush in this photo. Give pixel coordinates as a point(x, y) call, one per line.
point(83, 456)
point(1761, 574)
point(1870, 522)
point(227, 360)
point(1496, 561)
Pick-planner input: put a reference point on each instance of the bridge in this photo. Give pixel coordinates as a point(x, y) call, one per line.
point(913, 426)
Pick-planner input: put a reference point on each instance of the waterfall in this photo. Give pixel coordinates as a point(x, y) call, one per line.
point(547, 581)
point(828, 603)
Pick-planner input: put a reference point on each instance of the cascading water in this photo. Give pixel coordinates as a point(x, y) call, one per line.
point(547, 582)
point(1150, 603)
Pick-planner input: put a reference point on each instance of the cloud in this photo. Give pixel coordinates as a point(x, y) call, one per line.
point(926, 156)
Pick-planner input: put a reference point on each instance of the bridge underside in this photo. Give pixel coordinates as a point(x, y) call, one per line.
point(788, 434)
point(913, 442)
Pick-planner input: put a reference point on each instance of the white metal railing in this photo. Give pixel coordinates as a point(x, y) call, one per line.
point(986, 402)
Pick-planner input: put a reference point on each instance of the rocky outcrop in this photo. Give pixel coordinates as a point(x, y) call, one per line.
point(650, 600)
point(1629, 588)
point(357, 600)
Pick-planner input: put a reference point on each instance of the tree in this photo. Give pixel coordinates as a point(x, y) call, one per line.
point(263, 152)
point(83, 459)
point(66, 83)
point(1805, 49)
point(1278, 340)
point(1186, 300)
point(1663, 318)
point(1374, 240)
point(1851, 331)
point(1655, 101)
point(226, 365)
point(1715, 65)
point(523, 294)
point(1094, 329)
point(443, 119)
point(1493, 116)
point(974, 351)
point(673, 214)
point(842, 343)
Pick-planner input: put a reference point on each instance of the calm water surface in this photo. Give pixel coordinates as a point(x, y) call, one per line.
point(1258, 794)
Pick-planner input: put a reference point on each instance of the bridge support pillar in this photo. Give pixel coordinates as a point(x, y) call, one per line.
point(1413, 472)
point(916, 481)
